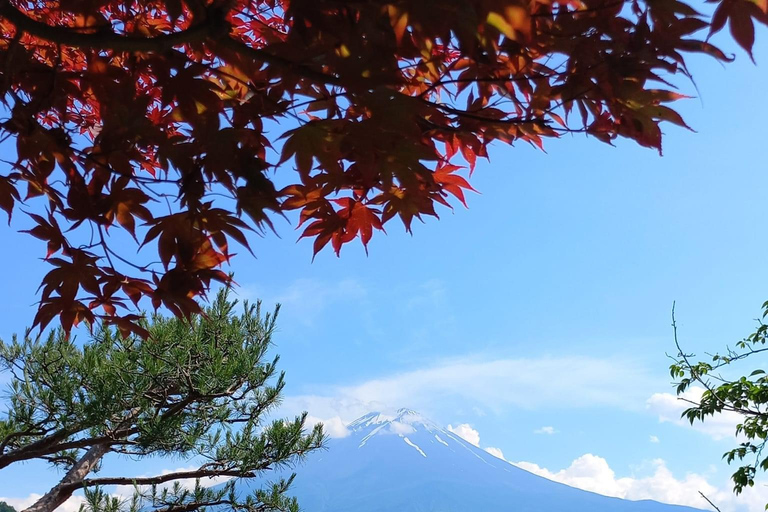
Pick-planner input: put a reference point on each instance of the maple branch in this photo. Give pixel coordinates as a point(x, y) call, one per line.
point(213, 27)
point(269, 58)
point(104, 246)
point(500, 79)
point(108, 253)
point(101, 39)
point(587, 10)
point(140, 268)
point(477, 117)
point(139, 180)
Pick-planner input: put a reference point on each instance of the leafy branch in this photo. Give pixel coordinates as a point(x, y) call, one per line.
point(745, 395)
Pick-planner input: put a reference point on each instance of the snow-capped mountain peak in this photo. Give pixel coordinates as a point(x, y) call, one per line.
point(372, 418)
point(411, 417)
point(402, 461)
point(414, 435)
point(402, 416)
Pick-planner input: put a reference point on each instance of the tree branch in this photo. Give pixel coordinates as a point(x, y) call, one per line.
point(53, 444)
point(213, 27)
point(42, 447)
point(710, 502)
point(161, 479)
point(261, 55)
point(106, 40)
point(194, 505)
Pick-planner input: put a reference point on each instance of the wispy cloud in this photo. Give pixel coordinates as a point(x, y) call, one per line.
point(669, 409)
point(430, 294)
point(306, 299)
point(545, 430)
point(494, 385)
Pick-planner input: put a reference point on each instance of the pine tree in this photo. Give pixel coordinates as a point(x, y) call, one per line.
point(198, 390)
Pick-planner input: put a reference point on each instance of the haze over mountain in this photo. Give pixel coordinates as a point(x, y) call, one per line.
point(405, 462)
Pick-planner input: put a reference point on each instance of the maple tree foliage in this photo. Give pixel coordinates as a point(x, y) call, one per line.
point(185, 124)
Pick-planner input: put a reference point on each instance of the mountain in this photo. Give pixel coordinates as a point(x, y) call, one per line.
point(406, 463)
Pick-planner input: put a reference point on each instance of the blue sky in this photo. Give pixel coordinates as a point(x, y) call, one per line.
point(545, 304)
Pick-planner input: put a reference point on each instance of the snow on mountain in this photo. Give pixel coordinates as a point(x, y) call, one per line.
point(405, 462)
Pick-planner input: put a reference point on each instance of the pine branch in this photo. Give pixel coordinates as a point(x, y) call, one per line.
point(195, 388)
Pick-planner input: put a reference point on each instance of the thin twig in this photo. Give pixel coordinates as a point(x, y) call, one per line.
point(710, 502)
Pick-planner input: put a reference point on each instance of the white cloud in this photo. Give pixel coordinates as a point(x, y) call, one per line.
point(401, 428)
point(466, 432)
point(588, 472)
point(528, 383)
point(496, 452)
point(493, 385)
point(653, 439)
point(592, 473)
point(545, 430)
point(71, 505)
point(123, 492)
point(333, 427)
point(332, 405)
point(669, 408)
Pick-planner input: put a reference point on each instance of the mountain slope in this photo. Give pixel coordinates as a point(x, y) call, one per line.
point(408, 464)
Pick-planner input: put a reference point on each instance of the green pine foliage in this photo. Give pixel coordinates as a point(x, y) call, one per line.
point(197, 390)
point(4, 507)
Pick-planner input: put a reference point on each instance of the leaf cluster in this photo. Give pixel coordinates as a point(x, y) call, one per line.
point(185, 124)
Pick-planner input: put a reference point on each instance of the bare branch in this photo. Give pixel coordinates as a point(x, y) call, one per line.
point(710, 502)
